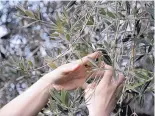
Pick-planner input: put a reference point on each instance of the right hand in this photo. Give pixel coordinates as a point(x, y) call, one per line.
point(101, 98)
point(72, 75)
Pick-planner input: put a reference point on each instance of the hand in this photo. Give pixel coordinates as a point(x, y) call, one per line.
point(101, 98)
point(72, 75)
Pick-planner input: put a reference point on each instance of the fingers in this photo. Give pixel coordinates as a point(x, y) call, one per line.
point(107, 76)
point(93, 56)
point(120, 80)
point(85, 86)
point(88, 91)
point(76, 64)
point(118, 91)
point(95, 74)
point(89, 88)
point(98, 73)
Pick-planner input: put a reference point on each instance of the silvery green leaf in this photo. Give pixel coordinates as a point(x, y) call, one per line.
point(30, 63)
point(138, 84)
point(68, 37)
point(90, 21)
point(29, 13)
point(106, 45)
point(30, 24)
point(22, 10)
point(92, 61)
point(64, 97)
point(93, 46)
point(102, 11)
point(110, 14)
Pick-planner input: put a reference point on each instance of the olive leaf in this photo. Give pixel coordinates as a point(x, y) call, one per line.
point(50, 63)
point(22, 10)
point(68, 37)
point(30, 63)
point(54, 34)
point(133, 87)
point(102, 11)
point(30, 13)
point(110, 14)
point(92, 62)
point(22, 67)
point(59, 27)
point(90, 21)
point(64, 97)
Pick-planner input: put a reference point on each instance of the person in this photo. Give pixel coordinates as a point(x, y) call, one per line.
point(68, 76)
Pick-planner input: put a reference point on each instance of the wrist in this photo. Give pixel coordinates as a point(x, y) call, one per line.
point(46, 82)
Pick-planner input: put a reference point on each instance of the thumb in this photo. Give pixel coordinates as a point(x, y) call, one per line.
point(70, 67)
point(75, 66)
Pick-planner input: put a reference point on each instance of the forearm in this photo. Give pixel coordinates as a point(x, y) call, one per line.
point(30, 102)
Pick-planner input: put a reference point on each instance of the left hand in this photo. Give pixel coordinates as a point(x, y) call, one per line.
point(101, 97)
point(72, 75)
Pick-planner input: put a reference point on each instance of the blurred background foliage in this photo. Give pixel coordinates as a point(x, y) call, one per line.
point(38, 36)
